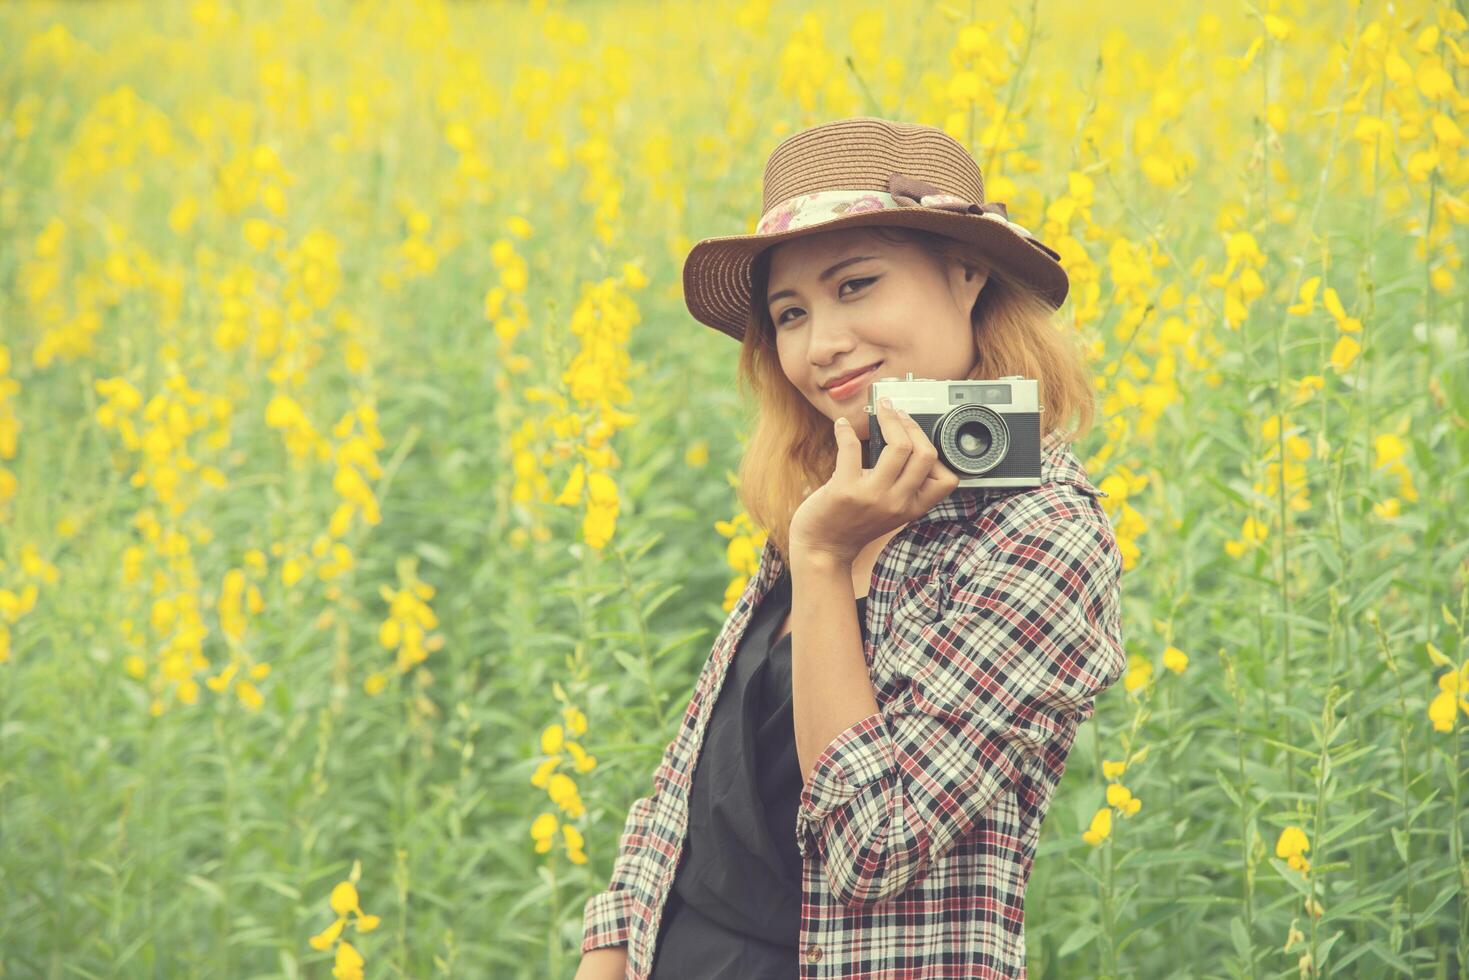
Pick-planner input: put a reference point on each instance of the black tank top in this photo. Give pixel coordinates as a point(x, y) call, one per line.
point(734, 910)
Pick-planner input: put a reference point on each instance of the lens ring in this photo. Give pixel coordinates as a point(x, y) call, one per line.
point(946, 432)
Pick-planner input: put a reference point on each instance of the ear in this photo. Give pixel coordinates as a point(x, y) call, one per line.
point(965, 282)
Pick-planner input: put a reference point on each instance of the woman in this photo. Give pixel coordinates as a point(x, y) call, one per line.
point(860, 777)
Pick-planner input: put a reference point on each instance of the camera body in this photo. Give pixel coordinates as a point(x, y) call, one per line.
point(988, 432)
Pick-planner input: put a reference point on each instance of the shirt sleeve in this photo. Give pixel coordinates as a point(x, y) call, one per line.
point(1030, 636)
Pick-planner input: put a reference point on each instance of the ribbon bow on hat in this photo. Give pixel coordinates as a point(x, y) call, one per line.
point(912, 192)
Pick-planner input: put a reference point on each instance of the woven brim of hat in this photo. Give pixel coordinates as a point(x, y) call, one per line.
point(862, 154)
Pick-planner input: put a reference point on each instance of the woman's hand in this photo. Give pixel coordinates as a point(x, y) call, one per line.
point(858, 506)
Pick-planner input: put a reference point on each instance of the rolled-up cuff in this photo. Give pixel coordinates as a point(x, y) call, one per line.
point(860, 755)
point(605, 920)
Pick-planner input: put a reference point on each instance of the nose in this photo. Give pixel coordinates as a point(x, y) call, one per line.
point(831, 334)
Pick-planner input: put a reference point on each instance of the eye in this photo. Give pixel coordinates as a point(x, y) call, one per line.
point(863, 283)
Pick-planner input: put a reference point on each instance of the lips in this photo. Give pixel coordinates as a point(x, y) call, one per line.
point(855, 374)
point(853, 385)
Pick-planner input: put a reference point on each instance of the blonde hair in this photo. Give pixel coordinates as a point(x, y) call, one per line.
point(792, 449)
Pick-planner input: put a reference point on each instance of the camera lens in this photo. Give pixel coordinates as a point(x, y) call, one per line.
point(971, 438)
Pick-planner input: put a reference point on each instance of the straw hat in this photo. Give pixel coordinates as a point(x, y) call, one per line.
point(861, 172)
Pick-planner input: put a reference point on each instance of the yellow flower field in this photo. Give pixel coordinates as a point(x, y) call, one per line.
point(366, 490)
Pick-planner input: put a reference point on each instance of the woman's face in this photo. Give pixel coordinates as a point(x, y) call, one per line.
point(845, 299)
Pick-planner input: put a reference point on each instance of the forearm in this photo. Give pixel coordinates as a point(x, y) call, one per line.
point(603, 963)
point(830, 686)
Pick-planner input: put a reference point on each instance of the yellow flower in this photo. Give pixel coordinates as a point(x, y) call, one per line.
point(552, 740)
point(259, 233)
point(327, 936)
point(1306, 387)
point(1139, 673)
point(344, 898)
point(542, 776)
point(562, 789)
point(574, 844)
point(1175, 659)
point(349, 963)
point(1453, 689)
point(544, 826)
point(1344, 353)
point(1112, 770)
point(1308, 297)
point(249, 695)
point(1100, 829)
point(633, 276)
point(584, 762)
point(1388, 449)
point(1292, 845)
point(1121, 797)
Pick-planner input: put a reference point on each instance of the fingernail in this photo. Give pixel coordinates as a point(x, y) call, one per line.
point(885, 402)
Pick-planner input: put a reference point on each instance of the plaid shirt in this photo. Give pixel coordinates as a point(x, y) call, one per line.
point(993, 622)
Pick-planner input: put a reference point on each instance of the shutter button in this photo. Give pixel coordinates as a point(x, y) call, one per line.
point(813, 953)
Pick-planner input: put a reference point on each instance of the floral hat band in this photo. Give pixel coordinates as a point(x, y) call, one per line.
point(903, 191)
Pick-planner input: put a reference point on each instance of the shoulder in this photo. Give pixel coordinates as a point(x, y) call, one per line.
point(1062, 516)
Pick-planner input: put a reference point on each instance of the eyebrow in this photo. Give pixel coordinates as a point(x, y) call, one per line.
point(823, 277)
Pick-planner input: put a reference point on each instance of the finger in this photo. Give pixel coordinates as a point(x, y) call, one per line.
point(849, 451)
point(898, 446)
point(941, 482)
point(920, 462)
point(936, 489)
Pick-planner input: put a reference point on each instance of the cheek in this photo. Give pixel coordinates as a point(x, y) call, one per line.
point(791, 364)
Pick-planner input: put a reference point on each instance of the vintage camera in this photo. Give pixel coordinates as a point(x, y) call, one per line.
point(988, 432)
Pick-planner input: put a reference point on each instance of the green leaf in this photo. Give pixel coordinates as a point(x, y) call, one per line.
point(1436, 658)
point(1241, 938)
point(630, 664)
point(1293, 877)
point(1438, 903)
point(1400, 840)
point(1077, 940)
point(210, 888)
point(1391, 958)
point(1325, 948)
point(1228, 789)
point(651, 606)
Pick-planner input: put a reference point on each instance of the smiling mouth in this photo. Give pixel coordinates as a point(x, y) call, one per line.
point(853, 377)
point(848, 388)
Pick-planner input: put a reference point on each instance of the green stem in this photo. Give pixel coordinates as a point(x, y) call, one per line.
point(225, 746)
point(1404, 736)
point(645, 656)
point(1318, 826)
point(1456, 813)
point(1109, 950)
point(1243, 789)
